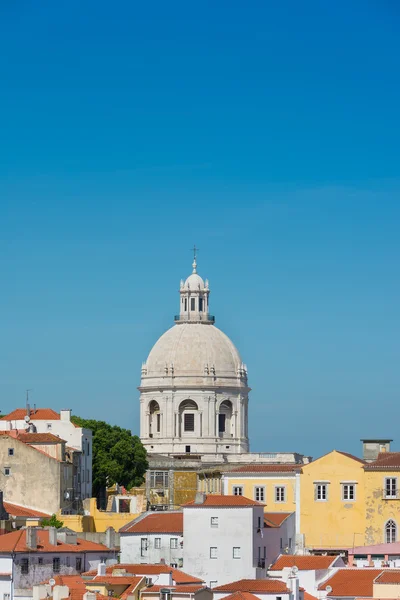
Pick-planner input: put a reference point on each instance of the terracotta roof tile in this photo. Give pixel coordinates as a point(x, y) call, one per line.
point(45, 414)
point(275, 519)
point(388, 576)
point(253, 585)
point(16, 542)
point(351, 582)
point(115, 580)
point(303, 563)
point(39, 438)
point(180, 589)
point(385, 461)
point(241, 596)
point(168, 522)
point(15, 510)
point(178, 576)
point(351, 456)
point(215, 500)
point(266, 469)
point(307, 596)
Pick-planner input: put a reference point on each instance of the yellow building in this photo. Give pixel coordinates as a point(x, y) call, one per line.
point(331, 513)
point(276, 486)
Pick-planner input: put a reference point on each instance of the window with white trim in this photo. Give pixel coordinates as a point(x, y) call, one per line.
point(348, 491)
point(214, 521)
point(280, 493)
point(11, 452)
point(237, 490)
point(390, 532)
point(321, 492)
point(157, 543)
point(173, 543)
point(390, 490)
point(213, 552)
point(259, 493)
point(236, 552)
point(7, 471)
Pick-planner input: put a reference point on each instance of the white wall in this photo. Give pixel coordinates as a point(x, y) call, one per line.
point(6, 584)
point(131, 552)
point(237, 527)
point(277, 539)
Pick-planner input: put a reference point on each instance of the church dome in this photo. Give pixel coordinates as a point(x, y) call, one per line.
point(194, 282)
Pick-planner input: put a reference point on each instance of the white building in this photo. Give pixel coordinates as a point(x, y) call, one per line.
point(223, 538)
point(194, 390)
point(311, 570)
point(259, 589)
point(46, 420)
point(152, 538)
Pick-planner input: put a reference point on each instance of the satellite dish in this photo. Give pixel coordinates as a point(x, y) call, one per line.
point(295, 570)
point(27, 418)
point(52, 582)
point(328, 589)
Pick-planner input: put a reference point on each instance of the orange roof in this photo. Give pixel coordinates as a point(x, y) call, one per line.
point(45, 414)
point(76, 585)
point(156, 523)
point(253, 585)
point(303, 563)
point(352, 582)
point(39, 438)
point(307, 596)
point(275, 519)
point(16, 542)
point(266, 469)
point(351, 456)
point(388, 576)
point(219, 500)
point(144, 569)
point(385, 461)
point(241, 596)
point(180, 589)
point(15, 510)
point(115, 580)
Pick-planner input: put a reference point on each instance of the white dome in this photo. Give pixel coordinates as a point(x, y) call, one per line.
point(191, 348)
point(194, 282)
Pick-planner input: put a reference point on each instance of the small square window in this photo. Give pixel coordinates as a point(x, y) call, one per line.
point(7, 471)
point(259, 494)
point(213, 552)
point(173, 543)
point(237, 490)
point(49, 425)
point(40, 560)
point(236, 552)
point(321, 492)
point(348, 491)
point(214, 521)
point(280, 493)
point(11, 452)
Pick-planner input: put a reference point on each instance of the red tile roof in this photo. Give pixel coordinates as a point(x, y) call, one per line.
point(385, 461)
point(215, 500)
point(241, 596)
point(45, 414)
point(15, 510)
point(253, 585)
point(275, 519)
point(76, 585)
point(307, 596)
point(351, 582)
point(388, 576)
point(266, 469)
point(115, 580)
point(144, 569)
point(39, 438)
point(179, 589)
point(303, 563)
point(156, 523)
point(351, 456)
point(16, 542)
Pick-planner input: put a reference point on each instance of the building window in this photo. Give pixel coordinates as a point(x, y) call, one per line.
point(157, 543)
point(290, 543)
point(78, 563)
point(214, 521)
point(200, 304)
point(67, 561)
point(158, 425)
point(49, 426)
point(280, 493)
point(321, 492)
point(390, 490)
point(237, 490)
point(6, 596)
point(11, 452)
point(7, 471)
point(173, 543)
point(40, 560)
point(187, 449)
point(185, 304)
point(24, 566)
point(213, 552)
point(143, 546)
point(348, 491)
point(159, 479)
point(390, 532)
point(221, 423)
point(192, 304)
point(189, 421)
point(259, 493)
point(56, 564)
point(236, 552)
point(88, 449)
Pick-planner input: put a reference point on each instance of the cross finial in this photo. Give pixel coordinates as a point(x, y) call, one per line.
point(194, 264)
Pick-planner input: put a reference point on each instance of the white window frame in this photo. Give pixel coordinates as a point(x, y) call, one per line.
point(237, 487)
point(386, 541)
point(257, 490)
point(157, 543)
point(323, 485)
point(236, 552)
point(394, 490)
point(346, 488)
point(213, 552)
point(214, 522)
point(278, 489)
point(173, 543)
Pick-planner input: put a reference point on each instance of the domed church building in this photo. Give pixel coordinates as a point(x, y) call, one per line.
point(194, 389)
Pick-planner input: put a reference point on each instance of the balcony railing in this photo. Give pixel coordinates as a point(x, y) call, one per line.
point(195, 318)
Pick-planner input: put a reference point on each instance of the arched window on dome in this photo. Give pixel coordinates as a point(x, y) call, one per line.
point(390, 532)
point(188, 417)
point(225, 418)
point(154, 418)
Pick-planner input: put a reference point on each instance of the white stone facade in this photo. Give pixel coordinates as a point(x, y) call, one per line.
point(194, 390)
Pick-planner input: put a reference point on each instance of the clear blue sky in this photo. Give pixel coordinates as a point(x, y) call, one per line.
point(268, 134)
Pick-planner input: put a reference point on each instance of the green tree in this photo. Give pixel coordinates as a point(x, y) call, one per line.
point(52, 522)
point(118, 456)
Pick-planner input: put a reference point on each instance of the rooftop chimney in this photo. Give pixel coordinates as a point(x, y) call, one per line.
point(31, 538)
point(200, 498)
point(372, 447)
point(110, 537)
point(65, 414)
point(52, 536)
point(101, 568)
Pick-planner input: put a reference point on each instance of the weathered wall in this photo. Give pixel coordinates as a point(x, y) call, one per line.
point(184, 487)
point(378, 510)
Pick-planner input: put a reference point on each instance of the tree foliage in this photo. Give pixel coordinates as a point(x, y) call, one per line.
point(118, 456)
point(52, 522)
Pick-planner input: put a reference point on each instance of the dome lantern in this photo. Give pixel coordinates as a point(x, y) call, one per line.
point(194, 295)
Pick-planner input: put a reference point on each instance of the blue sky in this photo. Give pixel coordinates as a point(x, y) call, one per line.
point(266, 133)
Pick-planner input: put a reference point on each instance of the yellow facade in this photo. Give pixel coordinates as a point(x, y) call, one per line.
point(251, 483)
point(96, 520)
point(378, 509)
point(334, 521)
